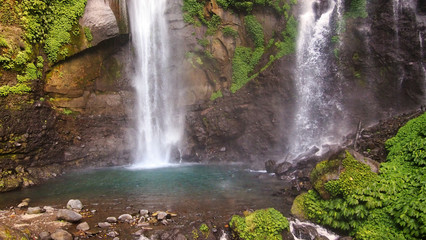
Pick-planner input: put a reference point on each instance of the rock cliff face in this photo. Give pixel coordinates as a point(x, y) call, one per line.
point(239, 88)
point(377, 70)
point(76, 112)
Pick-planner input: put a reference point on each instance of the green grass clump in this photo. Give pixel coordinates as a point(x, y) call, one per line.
point(216, 95)
point(391, 205)
point(261, 224)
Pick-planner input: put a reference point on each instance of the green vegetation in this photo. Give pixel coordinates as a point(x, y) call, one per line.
point(391, 205)
point(215, 95)
point(204, 229)
point(88, 34)
point(243, 63)
point(229, 32)
point(358, 8)
point(255, 30)
point(213, 24)
point(261, 224)
point(203, 42)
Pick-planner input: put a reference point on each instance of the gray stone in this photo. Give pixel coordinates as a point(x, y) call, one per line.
point(84, 226)
point(61, 235)
point(111, 219)
point(125, 217)
point(68, 215)
point(24, 203)
point(48, 209)
point(101, 21)
point(74, 204)
point(104, 225)
point(44, 236)
point(112, 234)
point(161, 215)
point(143, 212)
point(116, 238)
point(34, 210)
point(142, 237)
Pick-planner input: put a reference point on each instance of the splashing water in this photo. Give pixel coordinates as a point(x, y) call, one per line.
point(158, 124)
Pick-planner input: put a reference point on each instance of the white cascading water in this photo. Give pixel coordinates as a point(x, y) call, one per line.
point(313, 125)
point(319, 230)
point(158, 125)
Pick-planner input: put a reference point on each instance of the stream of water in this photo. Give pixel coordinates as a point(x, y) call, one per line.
point(158, 124)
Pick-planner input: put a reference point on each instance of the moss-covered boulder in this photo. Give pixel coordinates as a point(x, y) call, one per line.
point(260, 224)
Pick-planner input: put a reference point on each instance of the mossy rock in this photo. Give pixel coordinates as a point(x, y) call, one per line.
point(297, 209)
point(8, 233)
point(260, 224)
point(323, 172)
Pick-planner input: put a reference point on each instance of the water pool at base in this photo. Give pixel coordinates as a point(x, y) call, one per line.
point(193, 191)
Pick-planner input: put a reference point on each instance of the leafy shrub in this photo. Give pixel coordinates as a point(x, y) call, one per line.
point(261, 224)
point(391, 205)
point(243, 63)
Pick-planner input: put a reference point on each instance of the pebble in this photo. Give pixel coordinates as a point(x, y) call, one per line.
point(112, 234)
point(138, 233)
point(34, 210)
point(164, 222)
point(143, 212)
point(104, 225)
point(74, 204)
point(125, 217)
point(111, 219)
point(61, 235)
point(161, 215)
point(142, 237)
point(84, 226)
point(68, 215)
point(116, 238)
point(180, 237)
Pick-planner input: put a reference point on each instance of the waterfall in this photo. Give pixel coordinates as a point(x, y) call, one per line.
point(317, 106)
point(158, 125)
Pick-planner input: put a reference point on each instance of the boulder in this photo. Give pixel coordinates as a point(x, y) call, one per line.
point(74, 204)
point(101, 21)
point(68, 215)
point(143, 212)
point(270, 166)
point(84, 226)
point(61, 235)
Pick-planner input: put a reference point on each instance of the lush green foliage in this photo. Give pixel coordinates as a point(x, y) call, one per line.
point(358, 8)
point(229, 32)
point(243, 63)
point(391, 205)
point(88, 34)
point(261, 224)
point(255, 30)
point(213, 24)
point(215, 95)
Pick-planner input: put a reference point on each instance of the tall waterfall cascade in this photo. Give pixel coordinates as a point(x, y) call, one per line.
point(158, 124)
point(317, 104)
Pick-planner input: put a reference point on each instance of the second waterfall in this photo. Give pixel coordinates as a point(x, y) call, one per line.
point(158, 125)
